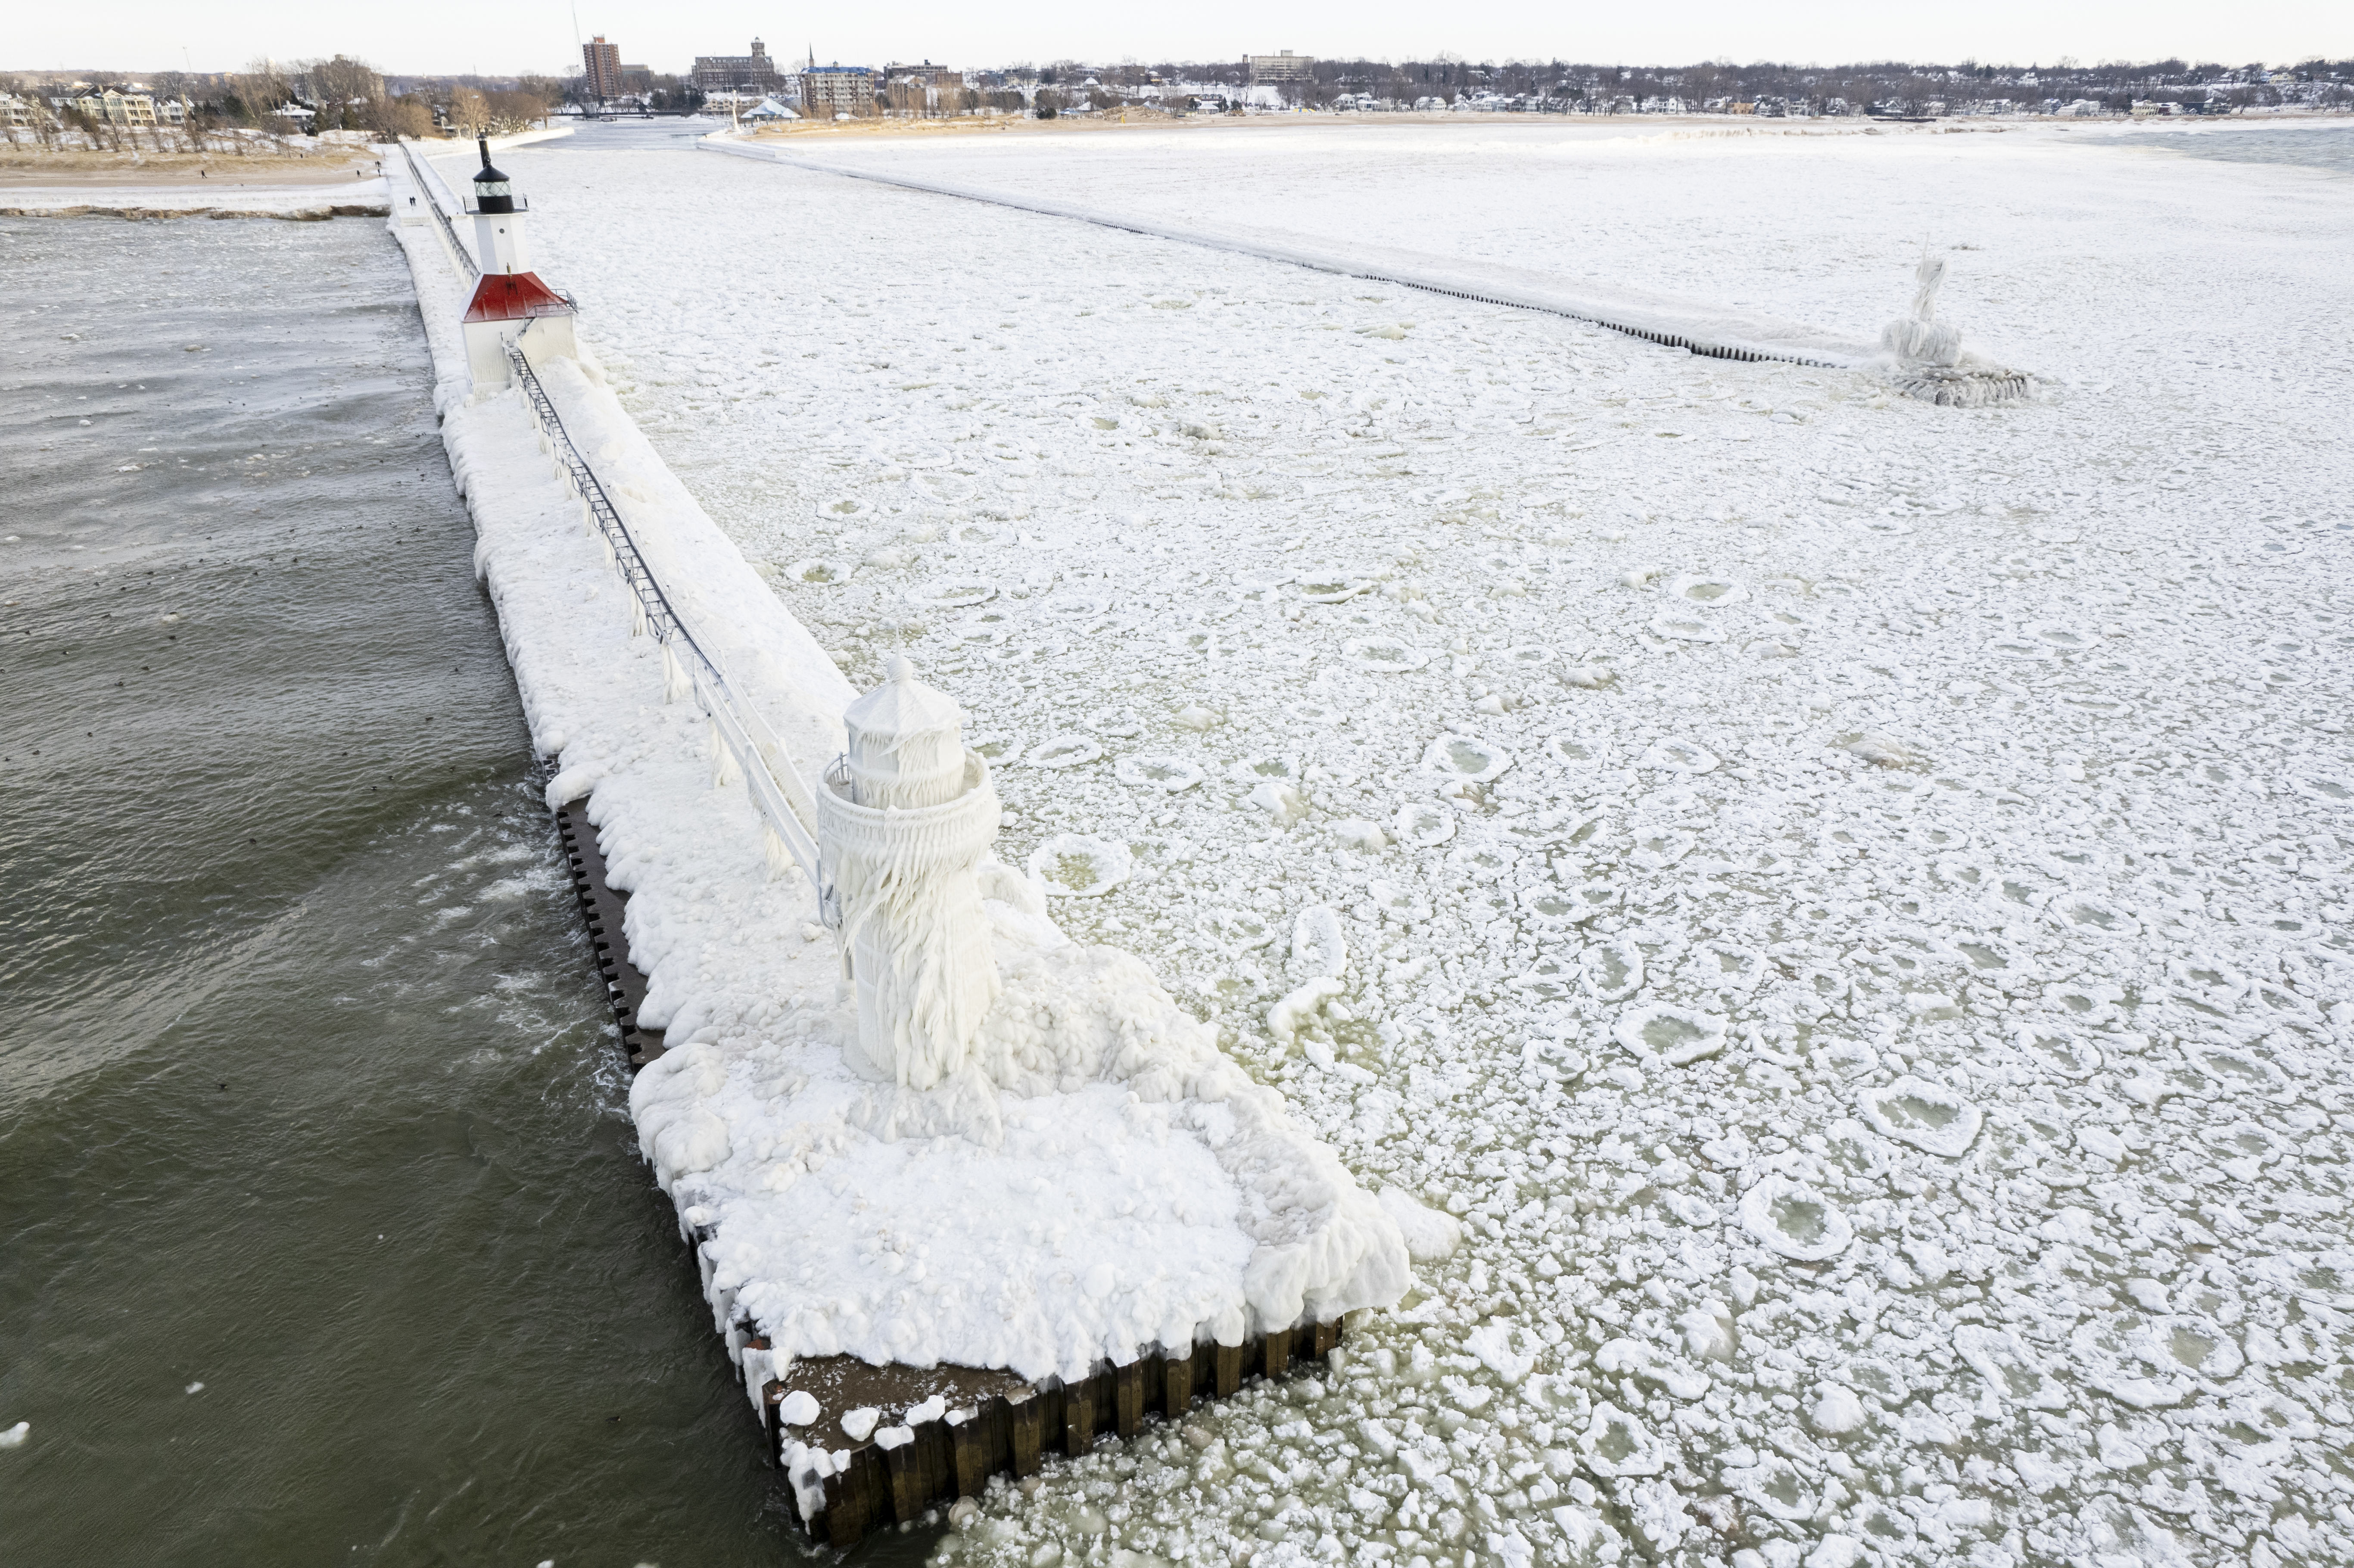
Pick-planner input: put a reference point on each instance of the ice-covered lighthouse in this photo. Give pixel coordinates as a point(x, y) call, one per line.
point(510, 302)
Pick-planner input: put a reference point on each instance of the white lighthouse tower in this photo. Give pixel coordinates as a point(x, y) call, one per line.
point(906, 818)
point(510, 302)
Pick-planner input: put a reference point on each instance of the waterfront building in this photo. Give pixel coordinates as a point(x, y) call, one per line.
point(730, 73)
point(831, 91)
point(1280, 69)
point(112, 108)
point(600, 74)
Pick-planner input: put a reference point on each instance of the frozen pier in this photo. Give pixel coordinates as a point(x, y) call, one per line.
point(866, 1445)
point(963, 1193)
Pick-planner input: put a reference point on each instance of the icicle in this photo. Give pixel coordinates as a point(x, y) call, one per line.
point(675, 681)
point(725, 769)
point(638, 619)
point(780, 856)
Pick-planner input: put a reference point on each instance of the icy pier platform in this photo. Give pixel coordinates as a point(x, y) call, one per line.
point(961, 1192)
point(866, 1445)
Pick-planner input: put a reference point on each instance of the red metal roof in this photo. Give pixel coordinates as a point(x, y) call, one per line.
point(514, 297)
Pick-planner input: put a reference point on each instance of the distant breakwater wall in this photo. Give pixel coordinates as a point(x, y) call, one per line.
point(1690, 325)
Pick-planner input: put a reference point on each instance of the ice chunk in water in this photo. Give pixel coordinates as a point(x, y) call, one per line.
point(1923, 1114)
point(1615, 1443)
point(1332, 586)
point(1396, 903)
point(1319, 945)
point(1065, 751)
point(1613, 970)
point(1792, 1219)
point(1679, 627)
point(952, 593)
point(1836, 1411)
point(819, 571)
point(1383, 653)
point(1072, 866)
point(1698, 589)
point(1468, 758)
point(1431, 1236)
point(2010, 1372)
point(1425, 824)
point(1169, 774)
point(1578, 748)
point(1679, 754)
point(1669, 1034)
point(1238, 928)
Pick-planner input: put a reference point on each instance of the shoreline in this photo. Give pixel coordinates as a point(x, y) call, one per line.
point(1727, 124)
point(312, 190)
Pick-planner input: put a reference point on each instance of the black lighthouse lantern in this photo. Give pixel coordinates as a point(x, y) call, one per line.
point(493, 193)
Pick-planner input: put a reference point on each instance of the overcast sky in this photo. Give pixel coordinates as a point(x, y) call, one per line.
point(446, 36)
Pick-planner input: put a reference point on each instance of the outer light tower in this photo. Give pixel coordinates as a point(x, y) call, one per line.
point(510, 302)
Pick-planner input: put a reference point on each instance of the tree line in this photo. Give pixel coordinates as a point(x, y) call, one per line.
point(244, 111)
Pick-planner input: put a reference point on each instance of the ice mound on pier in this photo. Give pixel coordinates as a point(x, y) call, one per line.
point(1004, 1149)
point(1925, 358)
point(1099, 1179)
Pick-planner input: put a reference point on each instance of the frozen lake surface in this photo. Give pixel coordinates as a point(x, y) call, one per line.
point(1848, 898)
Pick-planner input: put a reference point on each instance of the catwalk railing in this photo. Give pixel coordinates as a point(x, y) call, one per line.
point(745, 747)
point(464, 258)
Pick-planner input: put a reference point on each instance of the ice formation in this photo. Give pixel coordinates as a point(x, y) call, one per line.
point(2106, 631)
point(1925, 356)
point(996, 1146)
point(906, 821)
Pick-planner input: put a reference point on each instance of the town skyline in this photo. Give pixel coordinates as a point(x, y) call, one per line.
point(439, 38)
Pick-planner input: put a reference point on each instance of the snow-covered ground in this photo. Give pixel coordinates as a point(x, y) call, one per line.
point(1848, 898)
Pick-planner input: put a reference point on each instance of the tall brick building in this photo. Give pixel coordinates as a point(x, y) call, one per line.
point(601, 69)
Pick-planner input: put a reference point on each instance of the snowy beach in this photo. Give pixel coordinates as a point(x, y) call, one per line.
point(1845, 899)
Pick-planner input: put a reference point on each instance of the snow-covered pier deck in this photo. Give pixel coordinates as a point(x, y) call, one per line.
point(961, 1192)
point(953, 1428)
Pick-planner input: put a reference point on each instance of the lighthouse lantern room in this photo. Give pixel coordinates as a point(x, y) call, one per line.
point(510, 302)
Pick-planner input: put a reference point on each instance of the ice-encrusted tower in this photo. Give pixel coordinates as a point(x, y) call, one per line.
point(509, 300)
point(905, 819)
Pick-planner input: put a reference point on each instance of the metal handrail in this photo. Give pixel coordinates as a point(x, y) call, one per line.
point(777, 790)
point(416, 176)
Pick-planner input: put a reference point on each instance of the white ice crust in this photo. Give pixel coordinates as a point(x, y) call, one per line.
point(2020, 772)
point(1100, 1180)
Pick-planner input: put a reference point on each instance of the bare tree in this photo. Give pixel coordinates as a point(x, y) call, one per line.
point(261, 88)
point(470, 111)
point(517, 110)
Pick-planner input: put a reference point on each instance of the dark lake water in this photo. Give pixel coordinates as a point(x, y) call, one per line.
point(322, 1234)
point(2325, 146)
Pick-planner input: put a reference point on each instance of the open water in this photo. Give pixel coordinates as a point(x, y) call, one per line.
point(2326, 145)
point(322, 1234)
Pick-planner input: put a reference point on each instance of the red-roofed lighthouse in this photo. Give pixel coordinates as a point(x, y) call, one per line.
point(510, 302)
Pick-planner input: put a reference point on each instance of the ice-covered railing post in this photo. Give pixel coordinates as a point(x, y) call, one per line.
point(905, 819)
